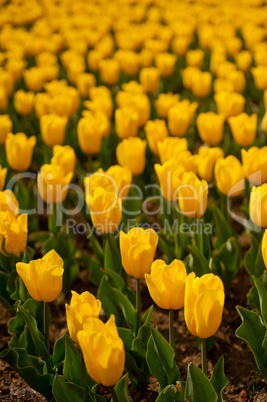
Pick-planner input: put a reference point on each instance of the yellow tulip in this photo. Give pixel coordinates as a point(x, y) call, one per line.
point(42, 104)
point(53, 183)
point(257, 205)
point(216, 58)
point(187, 75)
point(3, 172)
point(210, 127)
point(194, 58)
point(260, 77)
point(89, 135)
point(23, 102)
point(229, 176)
point(123, 179)
point(254, 162)
point(229, 104)
point(263, 123)
point(102, 103)
point(6, 82)
point(167, 175)
point(237, 80)
point(109, 71)
point(201, 83)
point(81, 308)
point(166, 284)
point(142, 105)
point(180, 45)
point(165, 63)
point(15, 66)
point(180, 116)
point(13, 232)
point(93, 59)
point(224, 69)
point(164, 103)
point(130, 62)
point(9, 202)
point(6, 126)
point(233, 45)
point(85, 81)
point(126, 122)
point(264, 248)
point(170, 147)
point(53, 129)
point(105, 209)
point(222, 85)
point(203, 304)
point(3, 99)
point(146, 57)
point(131, 153)
point(103, 350)
point(156, 130)
point(138, 248)
point(43, 277)
point(206, 161)
point(65, 157)
point(149, 78)
point(244, 60)
point(244, 128)
point(34, 78)
point(16, 146)
point(192, 195)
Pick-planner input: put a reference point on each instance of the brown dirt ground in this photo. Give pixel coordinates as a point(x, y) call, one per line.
point(240, 368)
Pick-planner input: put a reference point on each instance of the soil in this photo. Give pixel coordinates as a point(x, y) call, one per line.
point(245, 383)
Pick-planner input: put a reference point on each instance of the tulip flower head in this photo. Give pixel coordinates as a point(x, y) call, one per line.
point(192, 195)
point(17, 145)
point(258, 205)
point(13, 232)
point(43, 277)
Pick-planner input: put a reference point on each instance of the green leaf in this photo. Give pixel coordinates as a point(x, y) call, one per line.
point(72, 363)
point(218, 379)
point(225, 262)
point(98, 250)
point(155, 365)
point(128, 310)
point(167, 248)
point(64, 391)
point(112, 257)
point(262, 292)
point(31, 369)
point(137, 376)
point(58, 355)
point(40, 237)
point(37, 336)
point(198, 388)
point(252, 330)
point(197, 262)
point(222, 228)
point(166, 355)
point(253, 261)
point(140, 342)
point(121, 389)
point(127, 337)
point(5, 298)
point(172, 393)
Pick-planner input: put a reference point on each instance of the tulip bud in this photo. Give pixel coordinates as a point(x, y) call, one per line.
point(263, 123)
point(260, 77)
point(166, 284)
point(53, 129)
point(13, 232)
point(3, 99)
point(85, 81)
point(131, 153)
point(210, 127)
point(201, 83)
point(257, 205)
point(254, 162)
point(65, 157)
point(103, 350)
point(203, 304)
point(42, 104)
point(3, 172)
point(180, 45)
point(43, 277)
point(170, 147)
point(126, 122)
point(244, 128)
point(244, 60)
point(192, 195)
point(149, 78)
point(23, 102)
point(206, 161)
point(6, 126)
point(238, 80)
point(9, 202)
point(81, 308)
point(102, 103)
point(194, 58)
point(264, 248)
point(156, 130)
point(17, 145)
point(165, 102)
point(138, 248)
point(123, 178)
point(167, 176)
point(34, 78)
point(180, 117)
point(229, 176)
point(109, 71)
point(229, 104)
point(222, 85)
point(165, 63)
point(89, 135)
point(53, 183)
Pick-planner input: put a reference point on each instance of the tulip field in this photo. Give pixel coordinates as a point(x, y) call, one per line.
point(133, 200)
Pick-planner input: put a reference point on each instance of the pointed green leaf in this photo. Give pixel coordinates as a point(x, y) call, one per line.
point(140, 342)
point(128, 310)
point(262, 292)
point(253, 261)
point(64, 391)
point(98, 250)
point(155, 365)
point(197, 262)
point(121, 389)
point(222, 228)
point(112, 257)
point(198, 387)
point(72, 363)
point(137, 376)
point(172, 393)
point(59, 351)
point(252, 330)
point(218, 379)
point(127, 337)
point(166, 355)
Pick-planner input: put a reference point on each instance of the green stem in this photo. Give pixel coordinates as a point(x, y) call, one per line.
point(176, 234)
point(204, 356)
point(46, 324)
point(113, 394)
point(83, 372)
point(138, 304)
point(171, 329)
